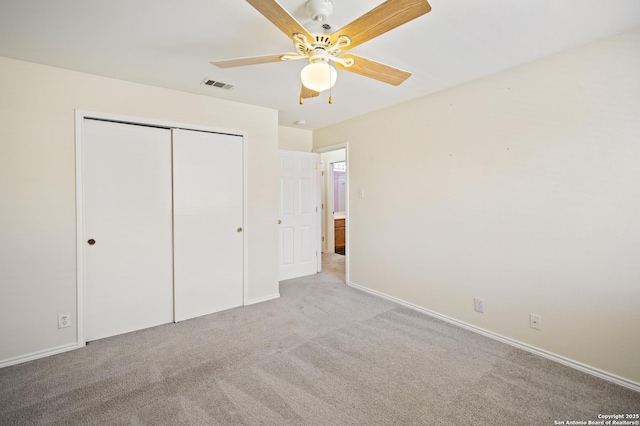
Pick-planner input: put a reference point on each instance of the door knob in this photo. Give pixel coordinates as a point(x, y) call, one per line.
point(239, 229)
point(279, 222)
point(91, 241)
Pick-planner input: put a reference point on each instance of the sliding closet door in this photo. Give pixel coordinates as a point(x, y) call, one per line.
point(126, 197)
point(208, 222)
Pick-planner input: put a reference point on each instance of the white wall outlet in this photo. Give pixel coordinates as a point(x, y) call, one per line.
point(535, 321)
point(478, 305)
point(360, 193)
point(64, 320)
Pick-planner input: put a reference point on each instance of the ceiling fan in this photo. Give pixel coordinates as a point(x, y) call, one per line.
point(320, 43)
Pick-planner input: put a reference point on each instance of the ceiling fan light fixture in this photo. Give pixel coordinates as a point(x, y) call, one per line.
point(318, 76)
point(321, 43)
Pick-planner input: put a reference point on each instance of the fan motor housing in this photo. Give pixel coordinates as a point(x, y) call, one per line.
point(320, 27)
point(319, 10)
point(320, 32)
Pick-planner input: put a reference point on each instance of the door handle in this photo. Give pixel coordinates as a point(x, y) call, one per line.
point(279, 222)
point(91, 241)
point(239, 229)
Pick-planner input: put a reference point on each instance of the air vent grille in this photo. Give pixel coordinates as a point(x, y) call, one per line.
point(218, 84)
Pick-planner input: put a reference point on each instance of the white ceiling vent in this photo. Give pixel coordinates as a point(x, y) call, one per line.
point(218, 84)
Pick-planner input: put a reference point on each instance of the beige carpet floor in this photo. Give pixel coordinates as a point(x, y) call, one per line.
point(322, 354)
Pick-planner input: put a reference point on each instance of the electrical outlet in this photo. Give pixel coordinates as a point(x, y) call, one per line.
point(478, 305)
point(64, 320)
point(535, 321)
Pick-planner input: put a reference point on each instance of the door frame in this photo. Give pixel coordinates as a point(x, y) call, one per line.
point(80, 115)
point(336, 147)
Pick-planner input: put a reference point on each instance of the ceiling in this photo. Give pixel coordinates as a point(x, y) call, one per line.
point(170, 44)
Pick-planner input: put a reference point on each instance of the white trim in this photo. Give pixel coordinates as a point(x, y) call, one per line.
point(127, 119)
point(329, 148)
point(262, 299)
point(80, 115)
point(37, 355)
point(319, 212)
point(322, 223)
point(79, 234)
point(245, 218)
point(512, 342)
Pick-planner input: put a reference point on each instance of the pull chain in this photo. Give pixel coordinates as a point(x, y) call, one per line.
point(330, 88)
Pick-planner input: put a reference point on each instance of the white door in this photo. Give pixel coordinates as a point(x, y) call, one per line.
point(298, 214)
point(208, 222)
point(126, 190)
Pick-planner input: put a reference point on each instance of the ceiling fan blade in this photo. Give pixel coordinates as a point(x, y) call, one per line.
point(279, 17)
point(375, 70)
point(252, 60)
point(306, 93)
point(387, 16)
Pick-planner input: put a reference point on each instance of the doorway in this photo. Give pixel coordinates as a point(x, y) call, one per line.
point(335, 207)
point(337, 182)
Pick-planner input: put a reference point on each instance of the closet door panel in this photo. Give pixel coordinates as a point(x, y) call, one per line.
point(208, 222)
point(127, 229)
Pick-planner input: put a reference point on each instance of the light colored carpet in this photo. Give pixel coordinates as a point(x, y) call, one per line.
point(333, 266)
point(322, 354)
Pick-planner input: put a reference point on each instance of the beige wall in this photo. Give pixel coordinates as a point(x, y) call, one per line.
point(291, 139)
point(37, 183)
point(523, 189)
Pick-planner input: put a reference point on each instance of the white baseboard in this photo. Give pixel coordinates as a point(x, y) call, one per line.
point(532, 349)
point(262, 299)
point(37, 355)
point(60, 349)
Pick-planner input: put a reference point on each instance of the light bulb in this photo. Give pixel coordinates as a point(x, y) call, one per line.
point(318, 76)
